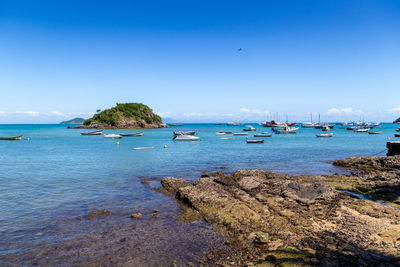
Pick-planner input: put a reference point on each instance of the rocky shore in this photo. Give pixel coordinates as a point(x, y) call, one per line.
point(274, 219)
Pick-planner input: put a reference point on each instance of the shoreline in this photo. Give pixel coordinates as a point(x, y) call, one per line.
point(223, 242)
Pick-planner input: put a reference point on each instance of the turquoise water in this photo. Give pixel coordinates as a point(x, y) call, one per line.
point(61, 175)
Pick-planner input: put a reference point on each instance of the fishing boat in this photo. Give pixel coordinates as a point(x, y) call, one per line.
point(361, 130)
point(175, 124)
point(143, 147)
point(255, 141)
point(325, 135)
point(113, 136)
point(263, 135)
point(185, 133)
point(397, 135)
point(398, 130)
point(10, 138)
point(93, 133)
point(240, 134)
point(374, 132)
point(128, 135)
point(220, 133)
point(183, 137)
point(227, 132)
point(285, 130)
point(249, 128)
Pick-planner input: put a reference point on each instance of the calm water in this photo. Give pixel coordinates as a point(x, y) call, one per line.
point(60, 175)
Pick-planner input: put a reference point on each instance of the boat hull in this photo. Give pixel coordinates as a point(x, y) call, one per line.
point(254, 141)
point(11, 138)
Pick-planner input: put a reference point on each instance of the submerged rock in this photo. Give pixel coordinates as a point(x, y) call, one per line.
point(136, 215)
point(93, 215)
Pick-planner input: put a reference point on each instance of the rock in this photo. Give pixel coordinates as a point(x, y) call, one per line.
point(93, 215)
point(270, 213)
point(172, 185)
point(136, 215)
point(261, 238)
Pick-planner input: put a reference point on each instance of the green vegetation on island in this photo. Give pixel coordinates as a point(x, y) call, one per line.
point(73, 121)
point(128, 115)
point(397, 120)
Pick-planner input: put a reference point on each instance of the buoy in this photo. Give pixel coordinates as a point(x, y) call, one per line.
point(165, 146)
point(117, 143)
point(247, 137)
point(388, 137)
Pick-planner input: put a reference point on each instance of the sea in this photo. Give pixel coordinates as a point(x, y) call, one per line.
point(54, 177)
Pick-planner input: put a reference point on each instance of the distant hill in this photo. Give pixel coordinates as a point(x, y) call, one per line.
point(73, 121)
point(128, 115)
point(397, 121)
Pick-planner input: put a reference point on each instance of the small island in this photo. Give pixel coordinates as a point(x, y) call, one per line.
point(73, 121)
point(397, 120)
point(124, 116)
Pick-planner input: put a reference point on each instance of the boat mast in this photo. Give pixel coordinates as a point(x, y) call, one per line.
point(311, 116)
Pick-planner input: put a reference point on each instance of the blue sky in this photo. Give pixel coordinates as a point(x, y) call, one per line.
point(62, 59)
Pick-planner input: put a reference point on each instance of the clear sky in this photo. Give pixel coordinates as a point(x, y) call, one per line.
point(62, 59)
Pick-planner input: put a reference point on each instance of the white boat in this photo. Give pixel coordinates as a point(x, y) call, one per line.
point(240, 133)
point(285, 130)
point(220, 133)
point(325, 135)
point(114, 136)
point(183, 137)
point(308, 125)
point(362, 130)
point(249, 128)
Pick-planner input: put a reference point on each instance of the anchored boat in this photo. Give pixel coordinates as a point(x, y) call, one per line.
point(128, 135)
point(93, 133)
point(263, 135)
point(374, 132)
point(249, 128)
point(185, 133)
point(113, 136)
point(10, 138)
point(361, 131)
point(240, 134)
point(183, 137)
point(325, 135)
point(285, 130)
point(254, 141)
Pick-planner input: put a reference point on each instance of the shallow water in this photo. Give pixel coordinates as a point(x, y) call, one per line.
point(60, 175)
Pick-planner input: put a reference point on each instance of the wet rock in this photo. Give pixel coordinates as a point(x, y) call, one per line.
point(172, 185)
point(136, 215)
point(93, 215)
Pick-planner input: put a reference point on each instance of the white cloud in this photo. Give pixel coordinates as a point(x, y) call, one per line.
point(56, 113)
point(28, 113)
point(396, 110)
point(344, 111)
point(2, 113)
point(244, 110)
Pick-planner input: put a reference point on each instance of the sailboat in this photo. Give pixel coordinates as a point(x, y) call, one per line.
point(308, 124)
